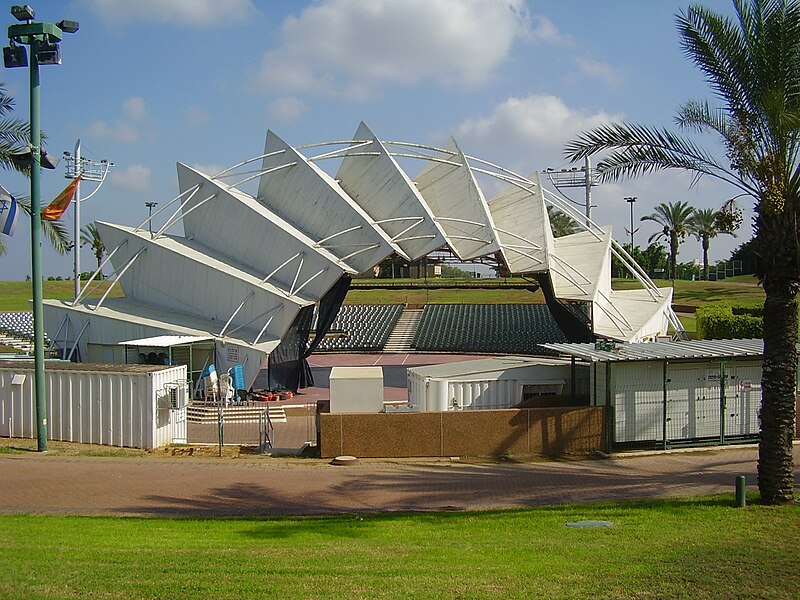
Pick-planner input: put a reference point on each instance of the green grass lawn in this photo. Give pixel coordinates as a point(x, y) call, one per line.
point(743, 290)
point(14, 295)
point(657, 549)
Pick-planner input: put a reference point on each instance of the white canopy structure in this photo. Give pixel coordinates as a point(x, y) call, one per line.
point(248, 263)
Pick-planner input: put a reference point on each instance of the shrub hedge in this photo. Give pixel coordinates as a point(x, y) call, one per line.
point(718, 322)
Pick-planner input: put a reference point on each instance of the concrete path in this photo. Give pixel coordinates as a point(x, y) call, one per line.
point(203, 487)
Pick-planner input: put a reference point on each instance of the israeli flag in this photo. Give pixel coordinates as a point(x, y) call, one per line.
point(8, 212)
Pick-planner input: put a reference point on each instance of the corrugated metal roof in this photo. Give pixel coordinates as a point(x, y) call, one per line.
point(483, 365)
point(63, 365)
point(664, 350)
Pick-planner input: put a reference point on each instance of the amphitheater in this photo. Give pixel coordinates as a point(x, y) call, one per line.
point(247, 271)
point(270, 244)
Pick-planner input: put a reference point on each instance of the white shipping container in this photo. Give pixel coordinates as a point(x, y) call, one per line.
point(136, 406)
point(488, 383)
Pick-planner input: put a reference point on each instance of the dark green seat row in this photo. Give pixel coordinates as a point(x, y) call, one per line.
point(363, 327)
point(490, 328)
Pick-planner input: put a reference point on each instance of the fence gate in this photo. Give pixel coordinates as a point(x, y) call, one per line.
point(666, 404)
point(694, 402)
point(742, 399)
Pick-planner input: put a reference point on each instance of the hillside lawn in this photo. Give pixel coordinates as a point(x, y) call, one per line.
point(697, 548)
point(15, 295)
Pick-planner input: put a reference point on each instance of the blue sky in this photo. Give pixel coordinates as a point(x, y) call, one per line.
point(150, 83)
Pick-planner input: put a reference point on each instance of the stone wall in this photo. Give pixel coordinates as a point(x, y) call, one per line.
point(545, 432)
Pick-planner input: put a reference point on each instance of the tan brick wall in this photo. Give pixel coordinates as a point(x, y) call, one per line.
point(512, 432)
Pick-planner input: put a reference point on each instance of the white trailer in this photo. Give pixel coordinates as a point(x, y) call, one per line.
point(136, 406)
point(499, 382)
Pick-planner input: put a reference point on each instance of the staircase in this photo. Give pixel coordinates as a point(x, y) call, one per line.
point(200, 413)
point(17, 343)
point(403, 333)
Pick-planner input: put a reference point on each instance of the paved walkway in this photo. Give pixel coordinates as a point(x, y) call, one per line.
point(168, 487)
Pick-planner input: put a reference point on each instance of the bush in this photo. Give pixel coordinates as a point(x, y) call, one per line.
point(756, 310)
point(720, 322)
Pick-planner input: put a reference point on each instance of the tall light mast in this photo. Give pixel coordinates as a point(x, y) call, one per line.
point(89, 170)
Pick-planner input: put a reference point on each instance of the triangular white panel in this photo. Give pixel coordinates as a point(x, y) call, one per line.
point(581, 264)
point(120, 319)
point(450, 190)
point(376, 182)
point(632, 315)
point(186, 278)
point(245, 232)
point(523, 227)
point(309, 199)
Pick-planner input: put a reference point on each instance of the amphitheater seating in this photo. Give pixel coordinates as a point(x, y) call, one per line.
point(362, 327)
point(490, 328)
point(17, 324)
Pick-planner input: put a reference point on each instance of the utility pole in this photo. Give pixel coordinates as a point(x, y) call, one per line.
point(583, 177)
point(89, 170)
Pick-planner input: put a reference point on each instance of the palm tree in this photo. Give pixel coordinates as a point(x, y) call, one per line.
point(704, 224)
point(752, 63)
point(561, 223)
point(673, 218)
point(90, 235)
point(14, 137)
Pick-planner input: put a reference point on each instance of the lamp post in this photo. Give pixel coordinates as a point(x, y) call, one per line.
point(150, 206)
point(43, 38)
point(89, 170)
point(632, 200)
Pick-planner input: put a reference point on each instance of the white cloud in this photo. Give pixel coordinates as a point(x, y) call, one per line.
point(286, 109)
point(209, 169)
point(135, 178)
point(528, 133)
point(127, 128)
point(196, 116)
point(134, 109)
point(595, 69)
point(543, 29)
point(119, 132)
point(197, 13)
point(346, 48)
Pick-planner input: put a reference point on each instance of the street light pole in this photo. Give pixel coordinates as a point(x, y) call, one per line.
point(36, 257)
point(43, 39)
point(150, 206)
point(631, 200)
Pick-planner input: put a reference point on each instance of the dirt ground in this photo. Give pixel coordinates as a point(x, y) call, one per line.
point(194, 482)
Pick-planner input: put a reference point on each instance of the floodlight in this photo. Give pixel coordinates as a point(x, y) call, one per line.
point(22, 12)
point(67, 26)
point(25, 159)
point(15, 56)
point(48, 53)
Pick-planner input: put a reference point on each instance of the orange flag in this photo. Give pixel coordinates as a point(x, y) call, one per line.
point(58, 206)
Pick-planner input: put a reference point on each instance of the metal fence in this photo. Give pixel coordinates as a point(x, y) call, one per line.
point(266, 426)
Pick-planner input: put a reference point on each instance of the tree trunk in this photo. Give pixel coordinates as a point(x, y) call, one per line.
point(705, 258)
point(775, 460)
point(673, 256)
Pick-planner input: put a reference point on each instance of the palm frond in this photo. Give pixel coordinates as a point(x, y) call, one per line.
point(55, 231)
point(698, 116)
point(635, 150)
point(718, 48)
point(6, 101)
